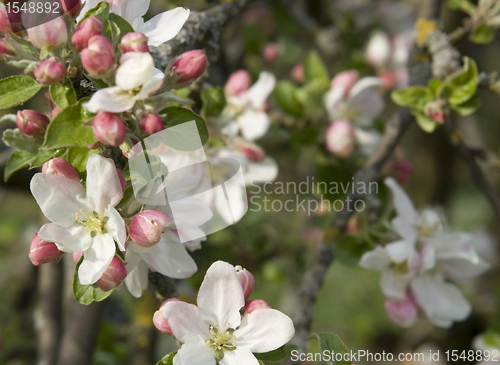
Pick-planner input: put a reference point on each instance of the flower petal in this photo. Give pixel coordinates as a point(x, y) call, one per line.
point(137, 277)
point(67, 239)
point(59, 198)
point(402, 203)
point(112, 99)
point(260, 91)
point(151, 86)
point(221, 297)
point(239, 357)
point(264, 171)
point(376, 259)
point(394, 285)
point(368, 140)
point(195, 352)
point(116, 227)
point(185, 321)
point(253, 124)
point(96, 259)
point(333, 99)
point(130, 9)
point(365, 101)
point(165, 26)
point(405, 229)
point(103, 185)
point(264, 330)
point(399, 251)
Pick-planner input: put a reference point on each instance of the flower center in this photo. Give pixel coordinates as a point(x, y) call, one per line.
point(221, 341)
point(95, 223)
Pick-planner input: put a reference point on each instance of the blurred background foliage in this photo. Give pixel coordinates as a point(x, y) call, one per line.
point(276, 246)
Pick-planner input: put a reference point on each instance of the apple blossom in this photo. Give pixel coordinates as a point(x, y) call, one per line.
point(83, 221)
point(58, 166)
point(159, 320)
point(256, 304)
point(436, 111)
point(31, 123)
point(341, 138)
point(88, 28)
point(109, 129)
point(159, 29)
point(50, 71)
point(250, 150)
point(215, 332)
point(404, 313)
point(188, 67)
point(378, 50)
point(99, 56)
point(246, 279)
point(271, 53)
point(238, 82)
point(346, 80)
point(42, 251)
point(134, 42)
point(147, 227)
point(113, 276)
point(50, 34)
point(151, 123)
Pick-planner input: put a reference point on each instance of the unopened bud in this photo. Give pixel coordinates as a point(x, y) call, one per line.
point(379, 49)
point(388, 79)
point(42, 251)
point(345, 80)
point(5, 27)
point(109, 129)
point(50, 34)
point(88, 28)
point(123, 183)
point(49, 100)
point(404, 313)
point(71, 7)
point(271, 53)
point(50, 72)
point(113, 276)
point(151, 123)
point(6, 49)
point(60, 167)
point(340, 138)
point(252, 151)
point(55, 112)
point(159, 319)
point(298, 73)
point(436, 111)
point(188, 66)
point(10, 22)
point(31, 123)
point(246, 279)
point(134, 42)
point(99, 56)
point(147, 227)
point(238, 82)
point(256, 304)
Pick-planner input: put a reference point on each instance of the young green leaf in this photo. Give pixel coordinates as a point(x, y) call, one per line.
point(426, 123)
point(214, 101)
point(14, 138)
point(315, 69)
point(469, 107)
point(331, 343)
point(119, 27)
point(78, 156)
point(18, 160)
point(101, 11)
point(464, 5)
point(463, 86)
point(168, 359)
point(482, 35)
point(349, 249)
point(63, 95)
point(276, 355)
point(8, 118)
point(86, 294)
point(285, 94)
point(414, 97)
point(16, 90)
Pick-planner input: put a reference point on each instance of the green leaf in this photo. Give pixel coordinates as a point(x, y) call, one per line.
point(310, 97)
point(482, 34)
point(78, 157)
point(331, 343)
point(276, 355)
point(469, 107)
point(18, 160)
point(464, 5)
point(315, 69)
point(426, 123)
point(122, 25)
point(492, 339)
point(86, 294)
point(349, 249)
point(168, 359)
point(307, 136)
point(464, 85)
point(16, 90)
point(214, 101)
point(435, 85)
point(8, 118)
point(159, 101)
point(14, 138)
point(68, 128)
point(181, 138)
point(46, 155)
point(285, 94)
point(101, 11)
point(63, 95)
point(414, 97)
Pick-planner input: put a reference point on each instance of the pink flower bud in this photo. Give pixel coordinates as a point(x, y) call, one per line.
point(379, 49)
point(5, 26)
point(403, 313)
point(31, 123)
point(134, 42)
point(58, 166)
point(246, 279)
point(10, 22)
point(72, 7)
point(55, 112)
point(340, 138)
point(147, 227)
point(113, 276)
point(121, 178)
point(77, 256)
point(252, 151)
point(188, 66)
point(98, 58)
point(256, 304)
point(346, 80)
point(151, 123)
point(88, 28)
point(6, 48)
point(53, 33)
point(388, 79)
point(42, 251)
point(298, 73)
point(159, 319)
point(50, 72)
point(436, 111)
point(238, 82)
point(109, 129)
point(271, 53)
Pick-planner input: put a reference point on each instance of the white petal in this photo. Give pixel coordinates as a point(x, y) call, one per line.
point(368, 140)
point(185, 321)
point(96, 259)
point(165, 26)
point(365, 102)
point(116, 227)
point(151, 86)
point(137, 274)
point(399, 251)
point(405, 229)
point(442, 302)
point(195, 352)
point(190, 213)
point(394, 285)
point(376, 259)
point(260, 91)
point(420, 262)
point(264, 330)
point(221, 297)
point(135, 70)
point(402, 203)
point(239, 357)
point(333, 100)
point(103, 185)
point(131, 9)
point(253, 124)
point(70, 239)
point(112, 99)
point(59, 198)
point(264, 171)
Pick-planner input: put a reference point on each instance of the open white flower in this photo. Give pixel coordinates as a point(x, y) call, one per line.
point(83, 221)
point(159, 29)
point(136, 79)
point(247, 110)
point(215, 332)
